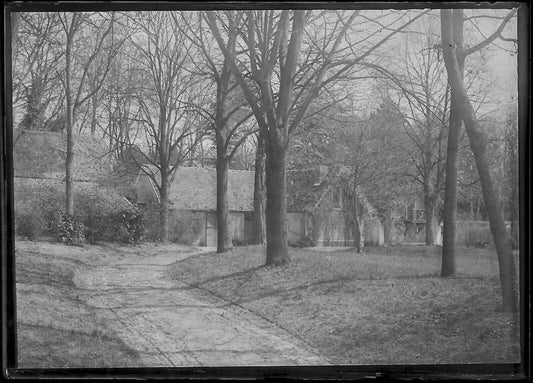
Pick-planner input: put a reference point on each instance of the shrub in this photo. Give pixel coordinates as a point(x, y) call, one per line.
point(30, 225)
point(129, 226)
point(71, 230)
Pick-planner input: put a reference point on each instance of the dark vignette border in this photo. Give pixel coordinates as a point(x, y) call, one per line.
point(515, 371)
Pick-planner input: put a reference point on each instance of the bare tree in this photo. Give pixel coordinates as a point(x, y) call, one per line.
point(478, 145)
point(456, 33)
point(170, 126)
point(427, 97)
point(38, 69)
point(281, 75)
point(229, 118)
point(78, 61)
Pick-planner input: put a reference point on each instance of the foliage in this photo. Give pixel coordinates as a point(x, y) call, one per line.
point(129, 226)
point(71, 230)
point(97, 216)
point(30, 225)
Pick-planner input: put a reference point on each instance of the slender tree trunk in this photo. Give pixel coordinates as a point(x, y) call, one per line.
point(387, 228)
point(356, 226)
point(496, 221)
point(513, 182)
point(224, 240)
point(93, 114)
point(69, 162)
point(259, 228)
point(450, 193)
point(357, 236)
point(478, 145)
point(276, 211)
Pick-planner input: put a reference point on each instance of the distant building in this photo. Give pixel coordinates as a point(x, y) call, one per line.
point(194, 191)
point(39, 162)
point(318, 209)
point(39, 172)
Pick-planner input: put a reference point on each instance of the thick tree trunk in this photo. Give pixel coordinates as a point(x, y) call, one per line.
point(224, 240)
point(429, 206)
point(259, 228)
point(450, 193)
point(163, 210)
point(69, 162)
point(452, 150)
point(497, 224)
point(276, 212)
point(478, 145)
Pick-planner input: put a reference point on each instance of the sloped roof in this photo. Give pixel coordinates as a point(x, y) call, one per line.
point(195, 188)
point(42, 154)
point(49, 186)
point(306, 188)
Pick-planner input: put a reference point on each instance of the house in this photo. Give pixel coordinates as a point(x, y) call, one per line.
point(318, 209)
point(193, 190)
point(42, 155)
point(39, 169)
point(411, 211)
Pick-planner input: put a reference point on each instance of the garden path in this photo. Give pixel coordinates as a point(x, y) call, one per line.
point(170, 323)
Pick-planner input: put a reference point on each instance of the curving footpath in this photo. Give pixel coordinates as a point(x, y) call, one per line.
point(171, 324)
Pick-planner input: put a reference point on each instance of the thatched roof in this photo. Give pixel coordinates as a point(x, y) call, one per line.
point(195, 189)
point(42, 154)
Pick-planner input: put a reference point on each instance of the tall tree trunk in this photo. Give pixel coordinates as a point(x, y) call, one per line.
point(512, 179)
point(478, 145)
point(449, 224)
point(93, 114)
point(259, 228)
point(224, 240)
point(69, 162)
point(358, 245)
point(450, 193)
point(357, 236)
point(163, 208)
point(276, 212)
point(429, 206)
point(387, 228)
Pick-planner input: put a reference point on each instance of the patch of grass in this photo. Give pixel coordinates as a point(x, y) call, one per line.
point(387, 306)
point(55, 328)
point(48, 347)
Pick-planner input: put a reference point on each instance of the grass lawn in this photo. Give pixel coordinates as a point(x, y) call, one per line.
point(54, 327)
point(387, 306)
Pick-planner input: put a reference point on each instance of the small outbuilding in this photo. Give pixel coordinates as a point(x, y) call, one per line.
point(319, 209)
point(193, 194)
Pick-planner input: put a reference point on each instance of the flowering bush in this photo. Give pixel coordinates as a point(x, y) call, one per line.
point(71, 230)
point(129, 226)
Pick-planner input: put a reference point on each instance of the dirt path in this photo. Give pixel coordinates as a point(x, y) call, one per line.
point(172, 324)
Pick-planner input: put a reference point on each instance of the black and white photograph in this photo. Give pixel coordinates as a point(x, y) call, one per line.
point(256, 186)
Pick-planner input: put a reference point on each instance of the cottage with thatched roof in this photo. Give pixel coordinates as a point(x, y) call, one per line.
point(39, 173)
point(193, 190)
